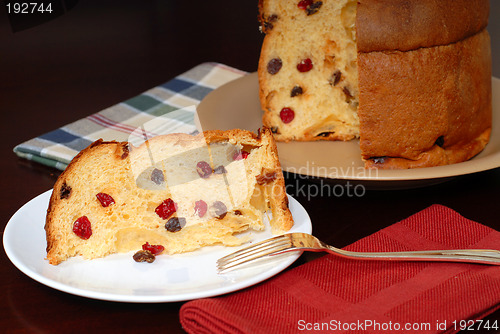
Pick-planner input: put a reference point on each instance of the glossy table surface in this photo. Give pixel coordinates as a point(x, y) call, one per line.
point(102, 52)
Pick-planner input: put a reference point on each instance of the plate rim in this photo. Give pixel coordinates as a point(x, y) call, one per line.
point(117, 297)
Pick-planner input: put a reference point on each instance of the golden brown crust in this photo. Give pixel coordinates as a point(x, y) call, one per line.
point(445, 89)
point(408, 25)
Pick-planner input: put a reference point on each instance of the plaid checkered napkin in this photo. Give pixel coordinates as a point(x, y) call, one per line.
point(174, 102)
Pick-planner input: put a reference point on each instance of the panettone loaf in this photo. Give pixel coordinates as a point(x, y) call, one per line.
point(410, 79)
point(179, 191)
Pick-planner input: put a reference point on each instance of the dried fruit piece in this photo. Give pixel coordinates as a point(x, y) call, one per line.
point(314, 7)
point(200, 208)
point(219, 209)
point(275, 129)
point(105, 199)
point(125, 150)
point(297, 90)
point(304, 4)
point(379, 160)
point(274, 65)
point(266, 178)
point(144, 256)
point(166, 208)
point(204, 170)
point(237, 212)
point(268, 23)
point(305, 65)
point(335, 78)
point(154, 249)
point(82, 227)
point(348, 96)
point(239, 155)
point(175, 224)
point(220, 170)
point(157, 176)
point(287, 115)
point(65, 191)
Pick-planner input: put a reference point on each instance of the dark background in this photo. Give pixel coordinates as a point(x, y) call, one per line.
point(102, 52)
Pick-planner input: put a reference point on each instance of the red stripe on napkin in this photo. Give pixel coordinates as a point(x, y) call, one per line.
point(338, 295)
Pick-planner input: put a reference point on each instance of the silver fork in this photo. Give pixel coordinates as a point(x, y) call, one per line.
point(306, 242)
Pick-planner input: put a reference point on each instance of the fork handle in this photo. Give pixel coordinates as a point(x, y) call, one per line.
point(483, 256)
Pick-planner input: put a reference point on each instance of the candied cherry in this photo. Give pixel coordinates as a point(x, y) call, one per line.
point(166, 208)
point(305, 65)
point(240, 155)
point(303, 4)
point(82, 227)
point(287, 115)
point(105, 199)
point(200, 208)
point(154, 249)
point(204, 170)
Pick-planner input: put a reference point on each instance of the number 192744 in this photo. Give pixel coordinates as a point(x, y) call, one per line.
point(28, 7)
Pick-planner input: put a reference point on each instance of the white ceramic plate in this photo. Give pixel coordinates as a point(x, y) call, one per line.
point(236, 105)
point(119, 278)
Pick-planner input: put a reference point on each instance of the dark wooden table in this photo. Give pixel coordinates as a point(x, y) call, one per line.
point(102, 52)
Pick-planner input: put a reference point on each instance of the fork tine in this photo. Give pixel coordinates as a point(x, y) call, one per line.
point(253, 247)
point(258, 250)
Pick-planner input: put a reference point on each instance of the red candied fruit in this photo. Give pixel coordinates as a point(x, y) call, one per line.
point(154, 249)
point(305, 65)
point(239, 155)
point(82, 227)
point(166, 209)
point(303, 4)
point(105, 199)
point(287, 115)
point(200, 208)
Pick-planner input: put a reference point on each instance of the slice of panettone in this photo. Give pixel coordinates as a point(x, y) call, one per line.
point(179, 191)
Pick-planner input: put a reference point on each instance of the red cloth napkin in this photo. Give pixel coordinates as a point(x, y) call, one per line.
point(337, 295)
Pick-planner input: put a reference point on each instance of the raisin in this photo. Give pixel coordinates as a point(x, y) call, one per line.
point(268, 23)
point(219, 209)
point(379, 160)
point(105, 199)
point(157, 176)
point(65, 191)
point(239, 155)
point(440, 141)
point(274, 66)
point(313, 8)
point(204, 170)
point(266, 178)
point(348, 96)
point(175, 224)
point(287, 115)
point(144, 256)
point(305, 65)
point(126, 151)
point(237, 212)
point(323, 134)
point(335, 78)
point(200, 208)
point(297, 90)
point(220, 170)
point(154, 249)
point(166, 208)
point(82, 227)
point(275, 129)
